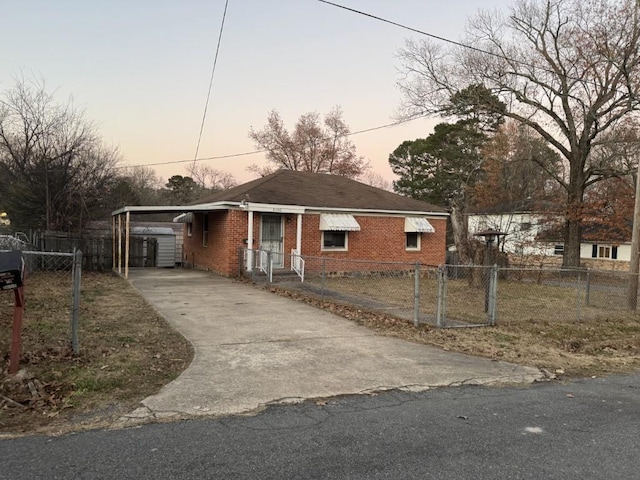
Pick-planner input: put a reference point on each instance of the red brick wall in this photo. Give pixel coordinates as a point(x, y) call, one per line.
point(227, 229)
point(381, 238)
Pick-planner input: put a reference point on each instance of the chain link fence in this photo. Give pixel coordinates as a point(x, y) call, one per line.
point(455, 295)
point(56, 277)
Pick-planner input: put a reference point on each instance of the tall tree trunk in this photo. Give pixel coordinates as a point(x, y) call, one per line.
point(573, 218)
point(460, 234)
point(571, 257)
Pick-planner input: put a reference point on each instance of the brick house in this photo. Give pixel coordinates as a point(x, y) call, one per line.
point(311, 215)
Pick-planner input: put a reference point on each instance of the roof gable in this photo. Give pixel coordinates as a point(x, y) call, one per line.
point(318, 190)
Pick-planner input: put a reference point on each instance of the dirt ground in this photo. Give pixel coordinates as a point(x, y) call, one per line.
point(127, 352)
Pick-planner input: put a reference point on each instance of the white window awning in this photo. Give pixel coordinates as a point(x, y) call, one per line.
point(418, 224)
point(338, 222)
point(184, 218)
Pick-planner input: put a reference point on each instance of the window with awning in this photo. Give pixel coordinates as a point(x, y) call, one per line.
point(418, 225)
point(338, 222)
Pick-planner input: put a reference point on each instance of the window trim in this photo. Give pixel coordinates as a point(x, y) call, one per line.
point(604, 251)
point(335, 249)
point(418, 246)
point(189, 229)
point(598, 249)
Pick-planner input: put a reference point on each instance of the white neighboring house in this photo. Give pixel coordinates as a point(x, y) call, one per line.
point(523, 231)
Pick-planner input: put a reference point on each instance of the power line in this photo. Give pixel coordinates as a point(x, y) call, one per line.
point(217, 157)
point(213, 71)
point(255, 152)
point(452, 42)
point(415, 30)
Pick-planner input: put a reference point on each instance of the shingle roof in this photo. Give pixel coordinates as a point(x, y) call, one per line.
point(318, 190)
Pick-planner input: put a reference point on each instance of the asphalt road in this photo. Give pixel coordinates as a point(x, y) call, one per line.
point(589, 429)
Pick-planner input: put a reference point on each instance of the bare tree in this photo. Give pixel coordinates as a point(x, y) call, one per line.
point(313, 146)
point(568, 69)
point(53, 167)
point(134, 185)
point(211, 178)
point(376, 180)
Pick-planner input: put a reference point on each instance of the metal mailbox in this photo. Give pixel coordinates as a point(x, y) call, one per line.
point(11, 270)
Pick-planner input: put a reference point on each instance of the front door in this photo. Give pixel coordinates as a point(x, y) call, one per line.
point(272, 238)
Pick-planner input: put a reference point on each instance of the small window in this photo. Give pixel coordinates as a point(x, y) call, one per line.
point(205, 229)
point(189, 229)
point(412, 241)
point(604, 252)
point(558, 249)
point(334, 240)
point(525, 226)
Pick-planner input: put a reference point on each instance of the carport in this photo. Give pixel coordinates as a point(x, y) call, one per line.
point(121, 229)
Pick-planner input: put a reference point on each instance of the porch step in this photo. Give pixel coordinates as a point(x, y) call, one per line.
point(285, 276)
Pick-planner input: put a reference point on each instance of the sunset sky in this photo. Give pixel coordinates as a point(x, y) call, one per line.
point(140, 69)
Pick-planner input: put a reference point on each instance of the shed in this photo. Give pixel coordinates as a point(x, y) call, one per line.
point(166, 244)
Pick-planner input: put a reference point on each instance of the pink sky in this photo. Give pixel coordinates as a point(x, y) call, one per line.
point(140, 69)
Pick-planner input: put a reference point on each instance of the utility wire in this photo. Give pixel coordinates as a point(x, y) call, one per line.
point(255, 152)
point(452, 42)
point(213, 71)
point(415, 30)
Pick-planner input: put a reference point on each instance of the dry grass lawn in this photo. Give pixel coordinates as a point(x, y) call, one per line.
point(544, 326)
point(127, 352)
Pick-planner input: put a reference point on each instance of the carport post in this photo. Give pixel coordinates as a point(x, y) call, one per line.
point(119, 243)
point(126, 244)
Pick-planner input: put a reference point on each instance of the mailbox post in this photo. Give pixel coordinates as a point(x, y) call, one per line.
point(12, 276)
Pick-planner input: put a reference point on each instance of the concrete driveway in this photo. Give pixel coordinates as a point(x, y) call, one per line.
point(253, 348)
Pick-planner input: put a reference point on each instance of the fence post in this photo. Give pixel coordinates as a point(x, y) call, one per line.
point(578, 298)
point(269, 267)
point(587, 293)
point(75, 311)
point(440, 315)
point(416, 295)
point(324, 265)
point(493, 294)
point(254, 256)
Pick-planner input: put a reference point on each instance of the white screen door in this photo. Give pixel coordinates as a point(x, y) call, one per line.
point(272, 238)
